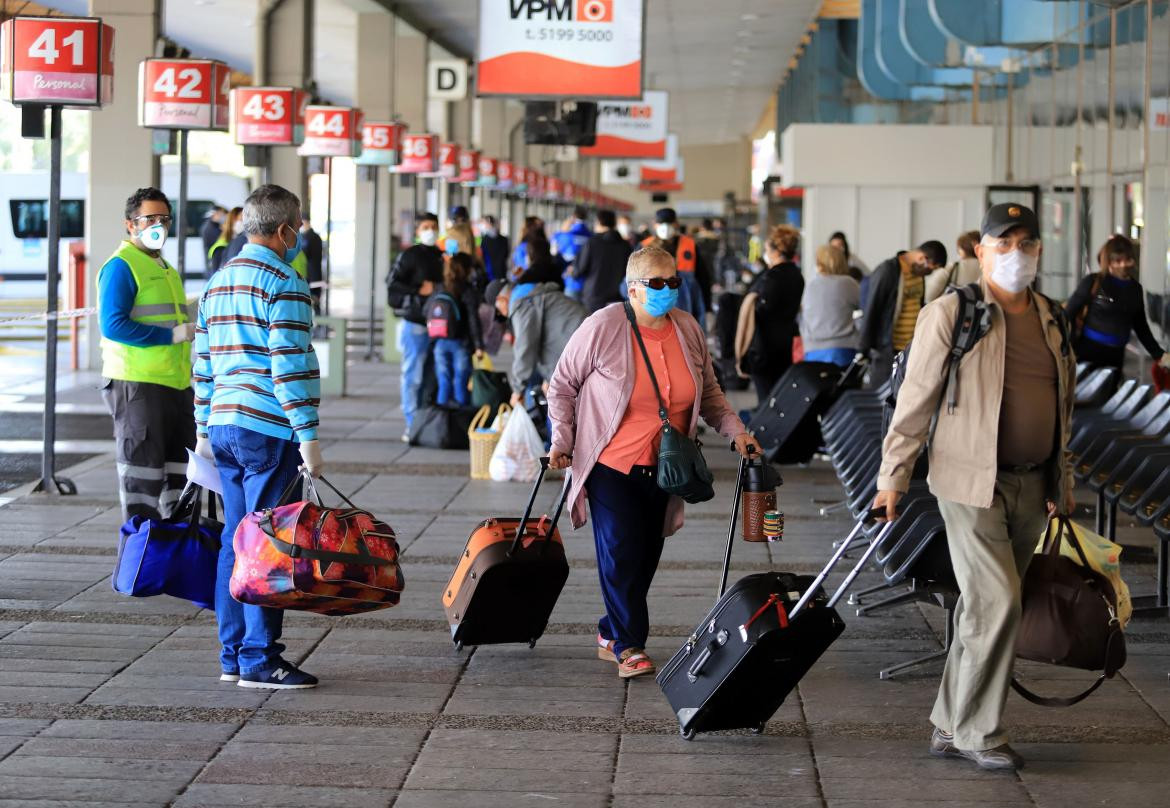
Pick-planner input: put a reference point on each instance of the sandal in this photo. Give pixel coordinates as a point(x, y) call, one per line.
point(634, 662)
point(605, 649)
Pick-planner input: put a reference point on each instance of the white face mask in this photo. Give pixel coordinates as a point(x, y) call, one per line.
point(154, 237)
point(624, 229)
point(1014, 271)
point(428, 237)
point(664, 230)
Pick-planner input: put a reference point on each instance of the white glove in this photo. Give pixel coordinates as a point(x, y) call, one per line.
point(311, 455)
point(203, 448)
point(1165, 360)
point(182, 333)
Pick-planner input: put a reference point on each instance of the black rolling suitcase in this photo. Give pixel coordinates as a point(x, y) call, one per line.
point(509, 577)
point(787, 423)
point(755, 645)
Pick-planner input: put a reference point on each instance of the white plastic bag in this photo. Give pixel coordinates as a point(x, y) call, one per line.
point(517, 455)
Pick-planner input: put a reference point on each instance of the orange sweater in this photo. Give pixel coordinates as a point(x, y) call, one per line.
point(636, 441)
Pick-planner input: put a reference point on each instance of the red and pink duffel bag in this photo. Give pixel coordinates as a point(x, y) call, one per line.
point(304, 556)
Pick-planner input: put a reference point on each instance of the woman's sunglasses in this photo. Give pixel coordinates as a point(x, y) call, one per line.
point(660, 283)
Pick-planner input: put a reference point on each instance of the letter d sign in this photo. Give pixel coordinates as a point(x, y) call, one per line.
point(447, 80)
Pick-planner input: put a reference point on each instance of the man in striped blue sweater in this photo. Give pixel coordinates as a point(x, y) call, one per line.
point(257, 387)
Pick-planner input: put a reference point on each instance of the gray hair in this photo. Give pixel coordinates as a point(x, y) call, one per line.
point(644, 260)
point(268, 207)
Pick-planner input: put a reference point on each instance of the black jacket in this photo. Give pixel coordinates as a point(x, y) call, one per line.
point(780, 289)
point(495, 251)
point(209, 232)
point(312, 248)
point(412, 267)
point(233, 248)
point(877, 325)
point(1116, 309)
point(602, 265)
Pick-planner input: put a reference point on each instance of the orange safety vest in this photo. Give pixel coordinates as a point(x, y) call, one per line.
point(686, 254)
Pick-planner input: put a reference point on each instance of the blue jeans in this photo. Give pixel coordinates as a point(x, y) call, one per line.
point(836, 356)
point(628, 512)
point(254, 470)
point(413, 344)
point(453, 371)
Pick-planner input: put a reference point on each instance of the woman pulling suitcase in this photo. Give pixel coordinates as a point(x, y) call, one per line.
point(617, 390)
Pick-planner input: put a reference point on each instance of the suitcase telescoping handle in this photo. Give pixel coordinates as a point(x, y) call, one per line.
point(734, 518)
point(532, 501)
point(867, 517)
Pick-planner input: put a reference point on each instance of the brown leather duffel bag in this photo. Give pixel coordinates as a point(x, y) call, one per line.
point(1070, 616)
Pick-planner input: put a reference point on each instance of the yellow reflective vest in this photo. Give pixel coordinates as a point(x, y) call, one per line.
point(160, 302)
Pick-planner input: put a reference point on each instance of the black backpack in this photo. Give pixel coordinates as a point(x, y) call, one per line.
point(972, 322)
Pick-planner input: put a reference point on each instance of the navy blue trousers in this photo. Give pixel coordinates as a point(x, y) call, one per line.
point(627, 512)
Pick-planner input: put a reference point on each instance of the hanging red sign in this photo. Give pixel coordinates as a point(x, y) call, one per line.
point(268, 116)
point(449, 160)
point(381, 143)
point(332, 132)
point(183, 94)
point(420, 154)
point(488, 166)
point(468, 166)
point(505, 175)
point(57, 60)
point(555, 188)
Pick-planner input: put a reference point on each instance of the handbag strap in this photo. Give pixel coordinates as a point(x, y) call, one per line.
point(1069, 701)
point(662, 413)
point(1064, 530)
point(296, 551)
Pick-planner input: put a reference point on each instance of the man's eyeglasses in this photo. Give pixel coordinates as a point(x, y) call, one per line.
point(1028, 246)
point(155, 218)
point(656, 284)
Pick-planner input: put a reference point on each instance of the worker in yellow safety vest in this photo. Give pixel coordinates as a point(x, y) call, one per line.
point(146, 361)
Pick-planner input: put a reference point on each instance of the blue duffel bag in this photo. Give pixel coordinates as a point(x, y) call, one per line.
point(176, 556)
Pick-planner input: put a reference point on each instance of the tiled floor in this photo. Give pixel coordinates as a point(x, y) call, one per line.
point(106, 700)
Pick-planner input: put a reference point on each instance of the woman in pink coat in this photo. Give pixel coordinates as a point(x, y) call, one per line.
point(606, 425)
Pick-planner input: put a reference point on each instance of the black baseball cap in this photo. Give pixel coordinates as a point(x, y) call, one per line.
point(458, 213)
point(666, 216)
point(1005, 216)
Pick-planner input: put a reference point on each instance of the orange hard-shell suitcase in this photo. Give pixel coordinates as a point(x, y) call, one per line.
point(508, 578)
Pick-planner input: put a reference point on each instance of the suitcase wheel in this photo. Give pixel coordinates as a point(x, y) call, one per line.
point(758, 729)
point(687, 734)
point(532, 643)
point(458, 646)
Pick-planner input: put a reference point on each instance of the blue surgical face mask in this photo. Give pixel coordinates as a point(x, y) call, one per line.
point(660, 301)
point(291, 253)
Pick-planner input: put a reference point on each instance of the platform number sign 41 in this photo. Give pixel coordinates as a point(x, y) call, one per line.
point(56, 60)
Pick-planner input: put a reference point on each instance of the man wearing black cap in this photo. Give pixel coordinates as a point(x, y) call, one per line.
point(690, 264)
point(996, 457)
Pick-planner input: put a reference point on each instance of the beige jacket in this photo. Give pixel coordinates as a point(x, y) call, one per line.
point(960, 273)
point(963, 458)
point(745, 331)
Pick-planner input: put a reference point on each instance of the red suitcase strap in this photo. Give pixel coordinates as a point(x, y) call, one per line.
point(781, 613)
point(296, 551)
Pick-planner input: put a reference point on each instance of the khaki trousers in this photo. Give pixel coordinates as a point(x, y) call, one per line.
point(990, 551)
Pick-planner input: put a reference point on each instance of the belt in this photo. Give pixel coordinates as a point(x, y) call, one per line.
point(650, 472)
point(1026, 468)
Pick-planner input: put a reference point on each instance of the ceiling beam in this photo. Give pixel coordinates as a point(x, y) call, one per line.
point(424, 27)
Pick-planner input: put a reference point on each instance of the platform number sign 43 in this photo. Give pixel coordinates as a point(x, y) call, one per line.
point(265, 107)
point(56, 60)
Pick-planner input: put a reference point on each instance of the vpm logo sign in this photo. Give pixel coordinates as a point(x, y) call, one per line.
point(644, 111)
point(563, 10)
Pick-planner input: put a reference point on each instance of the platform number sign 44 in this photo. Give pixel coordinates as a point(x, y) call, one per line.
point(327, 125)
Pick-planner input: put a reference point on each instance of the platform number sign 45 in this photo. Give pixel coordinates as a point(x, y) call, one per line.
point(56, 60)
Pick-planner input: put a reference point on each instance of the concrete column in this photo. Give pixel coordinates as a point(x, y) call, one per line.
point(284, 57)
point(410, 88)
point(120, 158)
point(374, 93)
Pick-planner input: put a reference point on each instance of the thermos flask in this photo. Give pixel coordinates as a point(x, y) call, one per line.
point(759, 495)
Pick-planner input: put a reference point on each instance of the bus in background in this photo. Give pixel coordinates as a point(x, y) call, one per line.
point(24, 222)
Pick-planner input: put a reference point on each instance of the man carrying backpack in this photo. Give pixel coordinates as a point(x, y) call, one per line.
point(997, 435)
point(412, 279)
